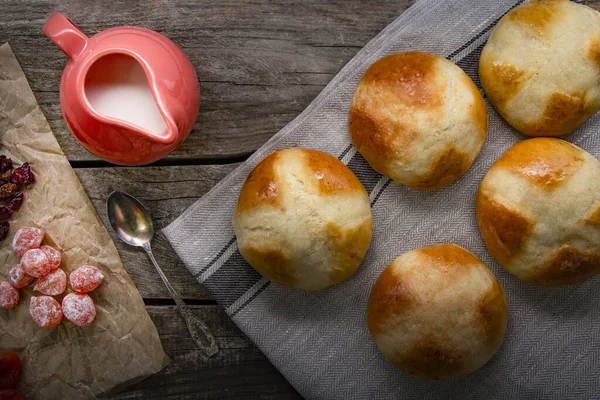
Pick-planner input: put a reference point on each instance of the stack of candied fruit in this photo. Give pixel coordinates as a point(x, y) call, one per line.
point(12, 183)
point(42, 262)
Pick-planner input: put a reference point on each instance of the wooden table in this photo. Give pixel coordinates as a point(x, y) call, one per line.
point(260, 63)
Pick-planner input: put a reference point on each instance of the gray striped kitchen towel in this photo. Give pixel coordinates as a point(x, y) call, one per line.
point(320, 341)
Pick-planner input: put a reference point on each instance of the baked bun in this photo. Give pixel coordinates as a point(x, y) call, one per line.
point(438, 312)
point(303, 219)
point(541, 67)
point(418, 119)
point(538, 209)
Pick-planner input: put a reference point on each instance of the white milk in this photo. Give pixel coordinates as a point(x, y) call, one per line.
point(116, 86)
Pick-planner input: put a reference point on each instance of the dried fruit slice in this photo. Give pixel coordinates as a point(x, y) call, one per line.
point(52, 284)
point(53, 255)
point(18, 278)
point(27, 239)
point(45, 311)
point(36, 263)
point(5, 164)
point(9, 297)
point(14, 203)
point(10, 370)
point(23, 175)
point(11, 394)
point(79, 308)
point(85, 278)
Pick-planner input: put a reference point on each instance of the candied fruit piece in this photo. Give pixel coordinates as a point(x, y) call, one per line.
point(36, 263)
point(10, 370)
point(5, 213)
point(14, 203)
point(53, 255)
point(27, 239)
point(5, 164)
point(85, 278)
point(4, 228)
point(18, 278)
point(45, 311)
point(7, 190)
point(11, 394)
point(52, 284)
point(79, 308)
point(9, 297)
point(23, 175)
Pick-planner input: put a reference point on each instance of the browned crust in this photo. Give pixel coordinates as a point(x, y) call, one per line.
point(562, 115)
point(501, 82)
point(545, 161)
point(261, 186)
point(390, 295)
point(492, 314)
point(449, 166)
point(568, 265)
point(330, 174)
point(446, 256)
point(348, 247)
point(537, 16)
point(504, 231)
point(272, 263)
point(431, 359)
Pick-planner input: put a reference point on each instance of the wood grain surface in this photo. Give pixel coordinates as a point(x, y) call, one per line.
point(259, 63)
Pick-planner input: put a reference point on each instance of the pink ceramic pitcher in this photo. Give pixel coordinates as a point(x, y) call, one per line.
point(128, 94)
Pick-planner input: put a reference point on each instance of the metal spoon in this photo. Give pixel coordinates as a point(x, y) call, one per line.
point(133, 225)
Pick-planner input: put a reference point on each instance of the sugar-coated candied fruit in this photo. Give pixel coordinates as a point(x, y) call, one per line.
point(45, 311)
point(18, 278)
point(85, 278)
point(54, 256)
point(9, 296)
point(36, 263)
point(79, 308)
point(53, 284)
point(10, 370)
point(26, 239)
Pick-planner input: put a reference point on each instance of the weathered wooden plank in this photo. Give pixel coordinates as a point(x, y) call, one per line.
point(166, 192)
point(260, 63)
point(238, 371)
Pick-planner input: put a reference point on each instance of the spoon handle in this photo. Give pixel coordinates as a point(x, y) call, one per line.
point(199, 331)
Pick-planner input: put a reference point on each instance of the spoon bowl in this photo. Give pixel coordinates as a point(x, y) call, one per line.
point(130, 219)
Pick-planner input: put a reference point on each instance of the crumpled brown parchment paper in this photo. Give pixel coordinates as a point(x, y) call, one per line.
point(121, 346)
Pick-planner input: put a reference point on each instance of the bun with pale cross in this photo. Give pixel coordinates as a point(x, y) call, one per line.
point(303, 219)
point(538, 209)
point(540, 67)
point(418, 119)
point(437, 312)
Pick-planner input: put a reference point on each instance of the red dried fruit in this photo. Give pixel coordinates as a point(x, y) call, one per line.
point(14, 203)
point(5, 164)
point(36, 263)
point(23, 175)
point(11, 394)
point(26, 239)
point(79, 308)
point(9, 297)
point(52, 284)
point(18, 278)
point(53, 255)
point(8, 190)
point(4, 228)
point(85, 278)
point(10, 369)
point(45, 311)
point(5, 213)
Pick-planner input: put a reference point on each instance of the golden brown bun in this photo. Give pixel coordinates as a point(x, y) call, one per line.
point(418, 119)
point(541, 67)
point(438, 312)
point(303, 219)
point(538, 209)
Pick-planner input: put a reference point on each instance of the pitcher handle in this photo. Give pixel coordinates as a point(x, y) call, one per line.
point(65, 35)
